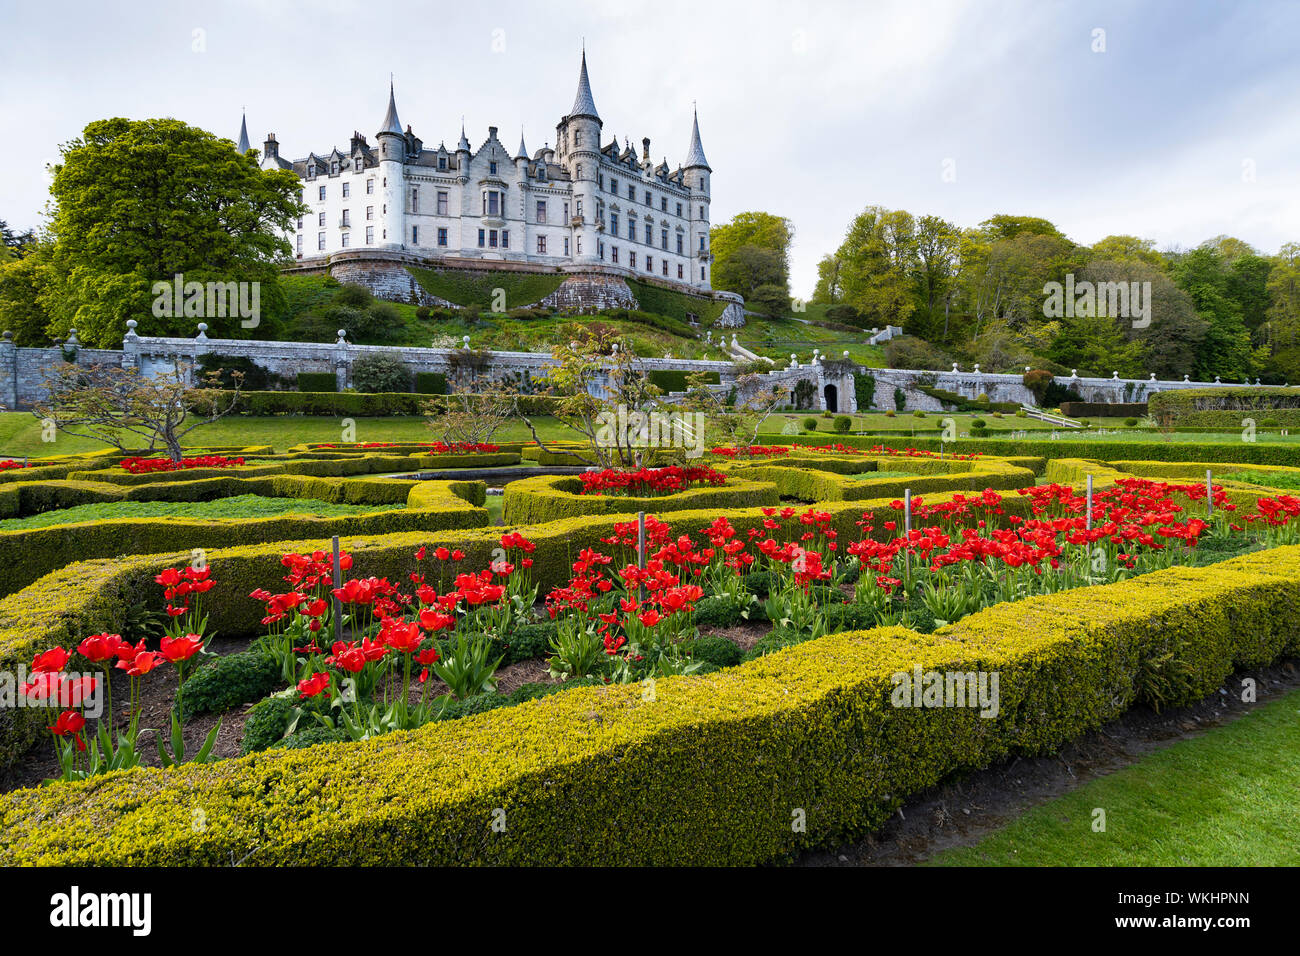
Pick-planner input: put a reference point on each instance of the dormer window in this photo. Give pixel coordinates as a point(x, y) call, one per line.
point(492, 169)
point(311, 171)
point(442, 162)
point(334, 168)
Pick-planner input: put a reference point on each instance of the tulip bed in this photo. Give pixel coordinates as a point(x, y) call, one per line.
point(711, 765)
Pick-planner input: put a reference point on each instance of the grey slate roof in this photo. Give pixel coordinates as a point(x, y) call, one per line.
point(695, 155)
point(243, 146)
point(522, 152)
point(391, 123)
point(583, 104)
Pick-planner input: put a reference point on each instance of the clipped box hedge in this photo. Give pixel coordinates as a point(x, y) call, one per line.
point(807, 484)
point(552, 497)
point(1227, 405)
point(30, 553)
point(1232, 452)
point(707, 770)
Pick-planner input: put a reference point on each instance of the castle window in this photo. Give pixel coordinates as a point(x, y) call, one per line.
point(492, 169)
point(679, 245)
point(492, 238)
point(663, 203)
point(566, 245)
point(579, 176)
point(370, 213)
point(415, 199)
point(579, 207)
point(579, 244)
point(541, 245)
point(344, 240)
point(600, 180)
point(541, 210)
point(370, 235)
point(347, 217)
point(300, 222)
point(311, 172)
point(442, 237)
point(482, 236)
point(679, 270)
point(577, 137)
point(631, 192)
point(679, 210)
point(663, 238)
point(701, 273)
point(665, 262)
point(613, 185)
point(649, 234)
point(505, 238)
point(442, 162)
point(322, 192)
point(613, 253)
point(299, 245)
point(334, 168)
point(613, 224)
point(320, 219)
point(347, 190)
point(442, 202)
point(600, 251)
point(415, 235)
point(370, 186)
point(631, 259)
point(702, 212)
point(701, 243)
point(631, 231)
point(649, 264)
point(320, 241)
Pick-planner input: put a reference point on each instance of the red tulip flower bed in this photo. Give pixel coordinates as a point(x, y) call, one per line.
point(144, 466)
point(11, 463)
point(648, 482)
point(751, 451)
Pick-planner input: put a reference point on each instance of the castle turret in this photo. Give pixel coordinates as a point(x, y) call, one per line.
point(578, 135)
point(696, 175)
point(243, 145)
point(392, 155)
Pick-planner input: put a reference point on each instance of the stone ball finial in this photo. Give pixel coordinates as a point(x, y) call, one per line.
point(1186, 378)
point(1114, 374)
point(343, 340)
point(977, 368)
point(465, 339)
point(846, 353)
point(1153, 376)
point(954, 367)
point(7, 336)
point(131, 324)
point(1216, 380)
point(1074, 373)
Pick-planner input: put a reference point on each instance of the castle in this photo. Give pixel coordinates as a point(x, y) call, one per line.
point(577, 207)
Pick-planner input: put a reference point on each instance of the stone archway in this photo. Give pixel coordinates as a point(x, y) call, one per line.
point(832, 395)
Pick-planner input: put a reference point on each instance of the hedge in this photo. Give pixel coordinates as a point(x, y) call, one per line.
point(430, 383)
point(1192, 406)
point(1233, 452)
point(1103, 409)
point(317, 382)
point(674, 380)
point(805, 484)
point(28, 554)
point(552, 497)
point(710, 770)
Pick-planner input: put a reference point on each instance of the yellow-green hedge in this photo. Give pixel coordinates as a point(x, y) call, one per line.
point(552, 497)
point(806, 484)
point(711, 769)
point(28, 554)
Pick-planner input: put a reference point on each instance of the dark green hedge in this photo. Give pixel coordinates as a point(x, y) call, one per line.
point(317, 382)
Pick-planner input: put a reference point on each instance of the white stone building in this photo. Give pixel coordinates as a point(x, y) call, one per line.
point(580, 205)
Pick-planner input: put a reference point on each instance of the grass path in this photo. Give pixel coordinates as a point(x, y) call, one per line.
point(1230, 797)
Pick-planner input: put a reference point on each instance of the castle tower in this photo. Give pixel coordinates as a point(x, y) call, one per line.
point(697, 181)
point(578, 136)
point(392, 191)
point(243, 145)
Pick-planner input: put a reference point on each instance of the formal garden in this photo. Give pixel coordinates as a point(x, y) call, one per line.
point(330, 651)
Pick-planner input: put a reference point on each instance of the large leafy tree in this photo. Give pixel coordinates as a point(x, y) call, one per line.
point(752, 251)
point(1225, 350)
point(138, 202)
point(877, 263)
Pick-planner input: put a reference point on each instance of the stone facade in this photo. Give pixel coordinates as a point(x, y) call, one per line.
point(583, 203)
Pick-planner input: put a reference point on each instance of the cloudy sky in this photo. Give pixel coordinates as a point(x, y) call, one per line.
point(1175, 120)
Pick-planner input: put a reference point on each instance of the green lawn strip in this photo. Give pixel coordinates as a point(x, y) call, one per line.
point(1226, 798)
point(20, 433)
point(240, 506)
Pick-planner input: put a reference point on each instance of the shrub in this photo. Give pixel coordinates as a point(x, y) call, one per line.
point(918, 414)
point(909, 352)
point(717, 612)
point(809, 424)
point(423, 313)
point(900, 399)
point(354, 296)
point(1021, 413)
point(982, 398)
point(380, 372)
point(864, 390)
point(317, 382)
point(430, 383)
point(978, 423)
point(843, 424)
point(890, 413)
point(1130, 422)
point(1270, 423)
point(716, 650)
point(1037, 381)
point(231, 680)
point(1083, 421)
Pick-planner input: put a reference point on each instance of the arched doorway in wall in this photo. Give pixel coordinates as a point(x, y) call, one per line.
point(832, 398)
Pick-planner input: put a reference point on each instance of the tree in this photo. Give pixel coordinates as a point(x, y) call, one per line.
point(877, 259)
point(601, 391)
point(14, 245)
point(938, 259)
point(737, 424)
point(750, 251)
point(111, 404)
point(827, 290)
point(21, 284)
point(1128, 249)
point(1003, 226)
point(139, 202)
point(1225, 350)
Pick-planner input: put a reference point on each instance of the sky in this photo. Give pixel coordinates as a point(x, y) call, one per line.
point(1174, 121)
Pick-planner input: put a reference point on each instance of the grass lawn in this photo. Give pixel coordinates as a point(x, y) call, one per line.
point(1226, 798)
point(240, 506)
point(20, 433)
